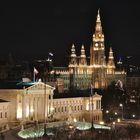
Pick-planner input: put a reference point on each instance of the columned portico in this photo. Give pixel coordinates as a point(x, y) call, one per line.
point(33, 101)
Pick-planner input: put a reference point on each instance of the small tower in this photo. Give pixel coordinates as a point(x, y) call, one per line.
point(98, 27)
point(82, 60)
point(97, 55)
point(120, 65)
point(97, 50)
point(73, 57)
point(72, 66)
point(110, 64)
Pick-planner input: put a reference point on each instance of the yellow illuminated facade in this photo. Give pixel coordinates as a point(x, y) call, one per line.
point(99, 72)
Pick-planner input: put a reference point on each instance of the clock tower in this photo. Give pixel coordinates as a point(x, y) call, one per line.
point(97, 56)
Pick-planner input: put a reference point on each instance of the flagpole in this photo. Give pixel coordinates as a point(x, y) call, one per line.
point(33, 76)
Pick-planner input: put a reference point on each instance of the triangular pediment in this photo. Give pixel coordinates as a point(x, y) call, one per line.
point(97, 95)
point(40, 86)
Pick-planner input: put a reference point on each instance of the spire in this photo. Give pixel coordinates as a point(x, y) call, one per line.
point(98, 16)
point(110, 64)
point(120, 61)
point(98, 22)
point(73, 54)
point(73, 57)
point(111, 54)
point(82, 51)
point(82, 56)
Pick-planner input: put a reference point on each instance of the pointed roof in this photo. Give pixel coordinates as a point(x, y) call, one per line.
point(98, 27)
point(110, 50)
point(40, 85)
point(111, 53)
point(82, 51)
point(73, 54)
point(97, 95)
point(98, 16)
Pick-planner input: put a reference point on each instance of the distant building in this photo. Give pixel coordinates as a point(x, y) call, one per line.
point(81, 74)
point(133, 82)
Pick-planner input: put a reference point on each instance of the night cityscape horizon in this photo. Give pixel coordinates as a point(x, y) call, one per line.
point(58, 26)
point(70, 71)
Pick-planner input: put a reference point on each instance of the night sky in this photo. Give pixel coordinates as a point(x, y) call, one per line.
point(30, 33)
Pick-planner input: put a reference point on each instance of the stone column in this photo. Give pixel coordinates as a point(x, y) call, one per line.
point(29, 107)
point(35, 108)
point(23, 106)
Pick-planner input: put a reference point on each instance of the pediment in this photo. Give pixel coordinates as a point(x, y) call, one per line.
point(40, 86)
point(97, 95)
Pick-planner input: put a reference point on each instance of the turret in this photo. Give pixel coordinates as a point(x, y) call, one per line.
point(98, 23)
point(110, 64)
point(73, 57)
point(82, 60)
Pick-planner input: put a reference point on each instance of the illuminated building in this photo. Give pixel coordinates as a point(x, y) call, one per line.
point(25, 101)
point(4, 110)
point(80, 73)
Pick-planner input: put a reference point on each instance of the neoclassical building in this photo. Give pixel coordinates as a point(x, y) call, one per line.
point(29, 101)
point(99, 71)
point(26, 101)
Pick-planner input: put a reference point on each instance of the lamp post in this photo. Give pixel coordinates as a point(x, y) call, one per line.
point(107, 115)
point(121, 105)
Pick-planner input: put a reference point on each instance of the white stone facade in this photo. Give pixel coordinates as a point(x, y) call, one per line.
point(36, 103)
point(79, 108)
point(4, 112)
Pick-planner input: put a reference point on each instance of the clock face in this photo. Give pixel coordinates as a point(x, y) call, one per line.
point(99, 35)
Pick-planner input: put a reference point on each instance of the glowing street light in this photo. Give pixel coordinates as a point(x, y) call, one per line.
point(118, 120)
point(107, 111)
point(121, 105)
point(133, 115)
point(116, 113)
point(113, 123)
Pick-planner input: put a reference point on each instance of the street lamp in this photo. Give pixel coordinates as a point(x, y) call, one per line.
point(107, 111)
point(107, 115)
point(121, 105)
point(133, 115)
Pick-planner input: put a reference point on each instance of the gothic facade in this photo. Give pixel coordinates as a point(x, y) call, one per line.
point(98, 72)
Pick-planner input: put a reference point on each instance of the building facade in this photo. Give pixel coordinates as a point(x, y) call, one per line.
point(26, 101)
point(78, 108)
point(99, 72)
point(4, 111)
point(34, 101)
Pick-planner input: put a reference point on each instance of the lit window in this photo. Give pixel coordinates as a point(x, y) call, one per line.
point(96, 44)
